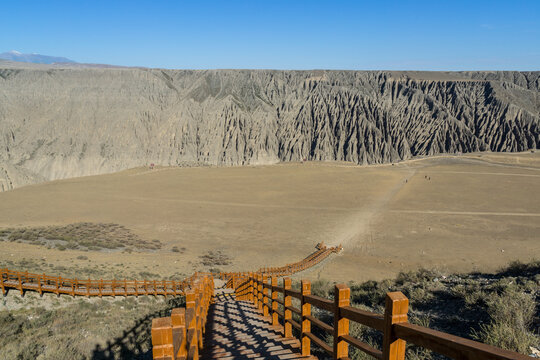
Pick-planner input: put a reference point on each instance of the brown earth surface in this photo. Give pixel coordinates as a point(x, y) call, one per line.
point(458, 213)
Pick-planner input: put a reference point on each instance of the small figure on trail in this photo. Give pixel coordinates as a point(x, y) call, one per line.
point(152, 166)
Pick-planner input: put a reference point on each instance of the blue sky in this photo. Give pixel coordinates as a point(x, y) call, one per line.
point(393, 35)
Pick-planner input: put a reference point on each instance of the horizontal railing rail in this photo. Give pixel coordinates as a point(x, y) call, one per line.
point(265, 293)
point(25, 281)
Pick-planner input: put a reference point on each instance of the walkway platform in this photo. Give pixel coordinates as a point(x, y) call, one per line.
point(238, 330)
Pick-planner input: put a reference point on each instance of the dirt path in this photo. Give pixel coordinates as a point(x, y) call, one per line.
point(353, 231)
point(477, 213)
point(249, 205)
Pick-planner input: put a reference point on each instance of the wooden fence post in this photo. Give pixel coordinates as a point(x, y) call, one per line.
point(342, 296)
point(198, 314)
point(275, 319)
point(306, 324)
point(396, 308)
point(178, 317)
point(265, 295)
point(20, 283)
point(162, 338)
point(255, 290)
point(251, 288)
point(40, 289)
point(260, 291)
point(2, 282)
point(287, 301)
point(191, 321)
point(164, 285)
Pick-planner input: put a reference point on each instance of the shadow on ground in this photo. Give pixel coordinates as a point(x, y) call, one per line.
point(135, 342)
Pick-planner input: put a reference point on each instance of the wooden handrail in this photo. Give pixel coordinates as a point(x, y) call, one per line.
point(393, 324)
point(320, 302)
point(366, 318)
point(452, 346)
point(24, 281)
point(320, 324)
point(311, 260)
point(180, 335)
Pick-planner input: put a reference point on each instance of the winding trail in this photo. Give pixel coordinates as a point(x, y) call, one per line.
point(355, 227)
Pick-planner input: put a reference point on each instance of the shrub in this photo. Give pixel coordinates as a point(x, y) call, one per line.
point(511, 317)
point(84, 236)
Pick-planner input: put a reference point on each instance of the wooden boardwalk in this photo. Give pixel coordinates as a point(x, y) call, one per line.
point(238, 330)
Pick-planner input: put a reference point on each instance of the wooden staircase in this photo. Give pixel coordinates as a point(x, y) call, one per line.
point(238, 330)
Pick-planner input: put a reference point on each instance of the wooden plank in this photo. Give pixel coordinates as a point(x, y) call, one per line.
point(294, 293)
point(324, 326)
point(370, 319)
point(370, 350)
point(320, 302)
point(294, 324)
point(320, 343)
point(279, 301)
point(452, 346)
point(294, 309)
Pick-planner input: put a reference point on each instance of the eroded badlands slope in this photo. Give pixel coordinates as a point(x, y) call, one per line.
point(63, 122)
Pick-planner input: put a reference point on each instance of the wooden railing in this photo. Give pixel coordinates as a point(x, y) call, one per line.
point(265, 293)
point(180, 335)
point(24, 281)
point(311, 260)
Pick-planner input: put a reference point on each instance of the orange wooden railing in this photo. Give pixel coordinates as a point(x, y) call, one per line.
point(180, 335)
point(23, 281)
point(311, 260)
point(265, 293)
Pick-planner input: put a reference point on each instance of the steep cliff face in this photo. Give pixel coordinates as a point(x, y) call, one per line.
point(64, 122)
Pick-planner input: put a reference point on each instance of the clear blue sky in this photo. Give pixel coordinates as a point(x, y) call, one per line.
point(275, 34)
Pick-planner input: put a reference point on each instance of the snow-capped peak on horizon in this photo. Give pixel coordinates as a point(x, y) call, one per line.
point(15, 55)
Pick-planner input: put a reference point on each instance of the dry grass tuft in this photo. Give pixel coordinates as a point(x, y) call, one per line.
point(81, 236)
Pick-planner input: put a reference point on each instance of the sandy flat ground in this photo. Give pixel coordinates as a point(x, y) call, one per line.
point(457, 213)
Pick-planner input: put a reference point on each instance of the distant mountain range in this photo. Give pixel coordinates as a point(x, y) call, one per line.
point(58, 124)
point(34, 58)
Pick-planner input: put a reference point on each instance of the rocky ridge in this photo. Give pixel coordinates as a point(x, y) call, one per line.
point(61, 121)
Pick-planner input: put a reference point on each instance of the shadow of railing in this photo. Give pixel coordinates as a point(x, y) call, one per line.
point(135, 342)
point(241, 332)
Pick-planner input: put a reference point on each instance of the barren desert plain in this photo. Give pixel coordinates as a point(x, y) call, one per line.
point(462, 213)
